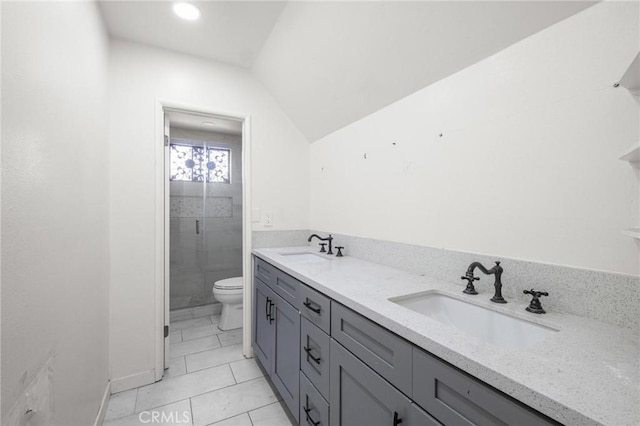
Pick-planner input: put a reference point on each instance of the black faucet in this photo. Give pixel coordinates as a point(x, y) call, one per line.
point(496, 270)
point(329, 238)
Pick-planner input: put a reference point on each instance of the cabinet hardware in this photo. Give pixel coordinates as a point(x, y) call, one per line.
point(271, 316)
point(197, 227)
point(309, 306)
point(306, 412)
point(308, 351)
point(267, 311)
point(396, 419)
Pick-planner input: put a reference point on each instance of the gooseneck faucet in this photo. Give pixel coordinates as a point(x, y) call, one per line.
point(496, 270)
point(329, 239)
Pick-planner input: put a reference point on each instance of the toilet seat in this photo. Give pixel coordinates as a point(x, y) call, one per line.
point(234, 283)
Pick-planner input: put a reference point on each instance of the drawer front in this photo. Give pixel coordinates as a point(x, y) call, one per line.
point(316, 307)
point(380, 349)
point(288, 288)
point(264, 271)
point(314, 356)
point(455, 398)
point(314, 410)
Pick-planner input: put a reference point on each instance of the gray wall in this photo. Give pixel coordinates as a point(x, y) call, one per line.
point(197, 261)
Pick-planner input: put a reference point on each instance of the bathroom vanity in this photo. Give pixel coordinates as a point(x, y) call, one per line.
point(342, 349)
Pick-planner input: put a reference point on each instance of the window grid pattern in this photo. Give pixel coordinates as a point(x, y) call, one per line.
point(199, 164)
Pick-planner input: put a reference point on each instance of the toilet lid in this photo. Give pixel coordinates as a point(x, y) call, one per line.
point(234, 283)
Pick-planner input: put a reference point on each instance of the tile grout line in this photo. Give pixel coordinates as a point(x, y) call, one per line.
point(204, 393)
point(191, 408)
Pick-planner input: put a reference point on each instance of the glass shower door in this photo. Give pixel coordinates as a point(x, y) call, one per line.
point(187, 227)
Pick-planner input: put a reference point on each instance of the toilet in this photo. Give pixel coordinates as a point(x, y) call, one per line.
point(229, 293)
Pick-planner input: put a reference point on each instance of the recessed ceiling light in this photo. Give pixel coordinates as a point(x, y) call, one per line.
point(186, 11)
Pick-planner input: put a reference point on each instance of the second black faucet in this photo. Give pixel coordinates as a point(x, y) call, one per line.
point(496, 270)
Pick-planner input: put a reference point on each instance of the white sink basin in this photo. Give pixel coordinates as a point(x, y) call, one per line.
point(493, 327)
point(304, 257)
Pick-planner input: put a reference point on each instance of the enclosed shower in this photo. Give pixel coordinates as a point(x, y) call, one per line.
point(205, 210)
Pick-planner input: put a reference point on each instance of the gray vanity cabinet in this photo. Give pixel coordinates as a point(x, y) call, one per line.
point(362, 373)
point(359, 396)
point(263, 323)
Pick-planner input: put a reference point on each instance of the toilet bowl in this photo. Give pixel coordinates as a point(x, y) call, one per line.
point(229, 293)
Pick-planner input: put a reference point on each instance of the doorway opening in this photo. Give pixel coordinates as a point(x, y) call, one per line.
point(206, 242)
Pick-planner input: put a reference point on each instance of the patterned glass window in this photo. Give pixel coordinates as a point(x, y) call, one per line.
point(197, 164)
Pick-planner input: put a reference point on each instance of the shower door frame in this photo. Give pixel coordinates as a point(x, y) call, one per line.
point(162, 244)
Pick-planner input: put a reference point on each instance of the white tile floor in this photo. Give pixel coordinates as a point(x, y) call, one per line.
point(209, 382)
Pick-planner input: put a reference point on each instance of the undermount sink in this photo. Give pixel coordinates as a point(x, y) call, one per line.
point(304, 257)
point(493, 327)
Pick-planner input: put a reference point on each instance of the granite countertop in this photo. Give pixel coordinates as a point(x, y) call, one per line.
point(585, 374)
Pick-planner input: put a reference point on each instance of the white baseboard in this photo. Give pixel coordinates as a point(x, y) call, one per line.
point(133, 381)
point(104, 405)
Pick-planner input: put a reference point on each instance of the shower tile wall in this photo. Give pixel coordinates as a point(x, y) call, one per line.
point(198, 260)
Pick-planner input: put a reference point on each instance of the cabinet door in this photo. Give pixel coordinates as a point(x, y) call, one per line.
point(285, 369)
point(263, 323)
point(359, 396)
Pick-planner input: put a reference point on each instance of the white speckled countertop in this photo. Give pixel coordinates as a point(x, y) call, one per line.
point(585, 374)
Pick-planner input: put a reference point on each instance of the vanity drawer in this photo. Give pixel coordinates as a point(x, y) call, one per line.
point(314, 410)
point(288, 288)
point(314, 355)
point(387, 354)
point(264, 271)
point(455, 398)
point(316, 307)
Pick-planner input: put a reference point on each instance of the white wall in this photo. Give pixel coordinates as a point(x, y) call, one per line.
point(139, 75)
point(527, 166)
point(55, 206)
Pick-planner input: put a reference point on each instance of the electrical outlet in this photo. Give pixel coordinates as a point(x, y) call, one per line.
point(267, 218)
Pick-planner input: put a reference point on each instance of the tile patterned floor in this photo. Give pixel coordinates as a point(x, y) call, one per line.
point(209, 382)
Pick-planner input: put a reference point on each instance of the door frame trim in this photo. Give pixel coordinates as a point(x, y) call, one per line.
point(161, 252)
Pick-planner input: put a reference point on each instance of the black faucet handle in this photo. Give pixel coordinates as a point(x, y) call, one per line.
point(470, 289)
point(322, 247)
point(339, 248)
point(535, 293)
point(470, 278)
point(535, 306)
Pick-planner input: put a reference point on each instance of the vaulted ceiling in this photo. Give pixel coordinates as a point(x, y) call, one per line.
point(331, 63)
